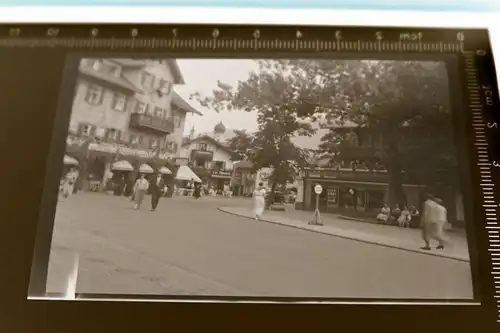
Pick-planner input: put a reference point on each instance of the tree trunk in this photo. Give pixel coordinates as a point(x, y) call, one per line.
point(274, 180)
point(396, 193)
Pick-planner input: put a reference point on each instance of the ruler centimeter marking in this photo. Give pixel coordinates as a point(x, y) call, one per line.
point(487, 186)
point(195, 44)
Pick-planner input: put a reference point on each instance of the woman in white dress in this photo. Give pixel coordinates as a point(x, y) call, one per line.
point(259, 201)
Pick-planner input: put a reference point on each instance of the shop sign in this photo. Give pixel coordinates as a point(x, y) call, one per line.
point(314, 174)
point(329, 174)
point(221, 174)
point(103, 147)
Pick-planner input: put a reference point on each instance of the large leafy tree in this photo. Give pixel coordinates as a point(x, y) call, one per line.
point(270, 92)
point(405, 103)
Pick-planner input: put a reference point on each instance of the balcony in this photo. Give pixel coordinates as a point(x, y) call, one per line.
point(202, 156)
point(151, 123)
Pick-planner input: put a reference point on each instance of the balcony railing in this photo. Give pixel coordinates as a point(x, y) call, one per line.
point(152, 123)
point(202, 155)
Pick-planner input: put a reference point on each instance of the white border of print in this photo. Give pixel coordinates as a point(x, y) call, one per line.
point(172, 15)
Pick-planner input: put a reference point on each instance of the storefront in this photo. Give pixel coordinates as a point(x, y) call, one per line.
point(243, 179)
point(104, 166)
point(219, 180)
point(341, 194)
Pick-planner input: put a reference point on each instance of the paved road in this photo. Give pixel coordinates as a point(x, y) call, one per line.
point(188, 247)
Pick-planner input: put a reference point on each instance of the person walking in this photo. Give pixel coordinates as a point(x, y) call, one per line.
point(157, 188)
point(433, 220)
point(259, 201)
point(140, 188)
point(197, 190)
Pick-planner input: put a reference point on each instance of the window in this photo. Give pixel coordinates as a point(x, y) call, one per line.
point(220, 165)
point(141, 108)
point(153, 143)
point(113, 134)
point(172, 147)
point(94, 94)
point(95, 64)
point(119, 102)
point(177, 121)
point(86, 130)
point(165, 86)
point(203, 146)
point(159, 112)
point(147, 80)
point(135, 139)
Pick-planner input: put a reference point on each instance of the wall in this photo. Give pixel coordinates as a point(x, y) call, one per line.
point(178, 133)
point(220, 154)
point(103, 115)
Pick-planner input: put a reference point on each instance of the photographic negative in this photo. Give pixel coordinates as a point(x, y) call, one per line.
point(324, 178)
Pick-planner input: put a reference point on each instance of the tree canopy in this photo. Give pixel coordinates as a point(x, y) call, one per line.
point(406, 102)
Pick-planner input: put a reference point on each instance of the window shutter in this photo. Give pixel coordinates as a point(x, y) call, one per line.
point(92, 130)
point(87, 94)
point(79, 131)
point(101, 97)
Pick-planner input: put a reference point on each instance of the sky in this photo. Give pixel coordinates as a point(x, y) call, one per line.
point(201, 76)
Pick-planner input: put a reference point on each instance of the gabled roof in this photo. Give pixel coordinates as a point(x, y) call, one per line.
point(206, 138)
point(183, 105)
point(172, 64)
point(116, 80)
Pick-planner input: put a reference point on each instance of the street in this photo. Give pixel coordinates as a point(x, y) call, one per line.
point(189, 247)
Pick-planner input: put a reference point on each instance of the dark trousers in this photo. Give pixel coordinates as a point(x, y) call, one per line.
point(155, 198)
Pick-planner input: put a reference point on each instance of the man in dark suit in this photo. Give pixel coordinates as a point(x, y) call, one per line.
point(157, 188)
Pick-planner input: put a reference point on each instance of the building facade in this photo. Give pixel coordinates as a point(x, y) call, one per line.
point(357, 181)
point(210, 158)
point(126, 109)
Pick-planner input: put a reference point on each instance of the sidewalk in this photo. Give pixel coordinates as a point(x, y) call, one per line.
point(389, 236)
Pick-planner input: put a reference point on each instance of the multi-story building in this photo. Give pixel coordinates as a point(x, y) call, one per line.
point(127, 110)
point(209, 157)
point(351, 185)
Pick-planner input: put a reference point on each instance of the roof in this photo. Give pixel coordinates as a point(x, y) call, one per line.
point(116, 80)
point(172, 64)
point(183, 105)
point(243, 164)
point(176, 71)
point(209, 138)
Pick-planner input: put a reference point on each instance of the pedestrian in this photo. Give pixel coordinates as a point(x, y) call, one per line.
point(69, 183)
point(140, 188)
point(259, 201)
point(197, 190)
point(433, 220)
point(405, 218)
point(415, 217)
point(383, 216)
point(157, 188)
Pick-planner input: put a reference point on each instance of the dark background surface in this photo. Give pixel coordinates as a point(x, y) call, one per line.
point(30, 87)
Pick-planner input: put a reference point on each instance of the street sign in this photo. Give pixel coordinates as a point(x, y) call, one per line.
point(318, 189)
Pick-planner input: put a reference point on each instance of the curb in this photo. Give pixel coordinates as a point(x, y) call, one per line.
point(434, 254)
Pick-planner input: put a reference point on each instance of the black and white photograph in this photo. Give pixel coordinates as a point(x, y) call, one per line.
point(263, 178)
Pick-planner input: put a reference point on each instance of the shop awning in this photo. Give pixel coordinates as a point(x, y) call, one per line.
point(185, 173)
point(122, 166)
point(165, 171)
point(68, 160)
point(146, 168)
